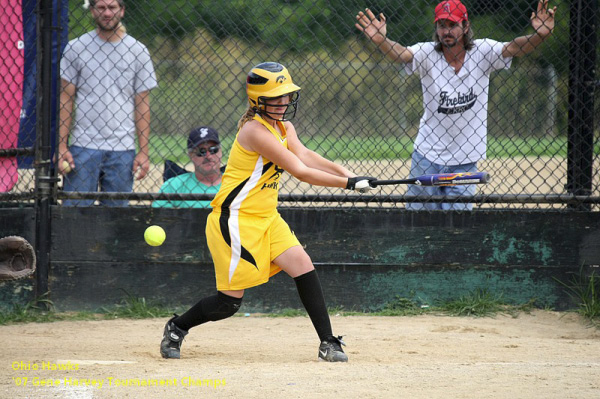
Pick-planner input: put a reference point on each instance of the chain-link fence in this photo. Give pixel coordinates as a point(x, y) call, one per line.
point(129, 101)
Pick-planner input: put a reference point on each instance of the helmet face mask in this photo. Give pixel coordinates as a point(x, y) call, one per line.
point(282, 115)
point(268, 82)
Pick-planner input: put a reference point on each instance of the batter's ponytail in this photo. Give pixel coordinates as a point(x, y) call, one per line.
point(247, 117)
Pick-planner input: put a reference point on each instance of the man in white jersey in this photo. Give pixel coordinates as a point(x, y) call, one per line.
point(455, 75)
point(107, 75)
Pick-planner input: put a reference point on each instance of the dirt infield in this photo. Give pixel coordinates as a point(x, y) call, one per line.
point(539, 355)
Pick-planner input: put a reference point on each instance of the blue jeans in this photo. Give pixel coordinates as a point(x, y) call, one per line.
point(109, 170)
point(422, 166)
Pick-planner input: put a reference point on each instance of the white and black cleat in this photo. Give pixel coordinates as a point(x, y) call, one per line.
point(170, 346)
point(331, 350)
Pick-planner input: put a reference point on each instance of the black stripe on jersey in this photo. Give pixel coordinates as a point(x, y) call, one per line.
point(225, 226)
point(247, 256)
point(234, 193)
point(223, 222)
point(225, 213)
point(266, 167)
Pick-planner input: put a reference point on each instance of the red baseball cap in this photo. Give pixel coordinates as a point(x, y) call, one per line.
point(452, 10)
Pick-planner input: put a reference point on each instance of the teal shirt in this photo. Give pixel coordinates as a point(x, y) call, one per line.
point(185, 184)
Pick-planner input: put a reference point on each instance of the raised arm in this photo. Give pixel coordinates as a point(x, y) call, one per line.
point(542, 22)
point(376, 30)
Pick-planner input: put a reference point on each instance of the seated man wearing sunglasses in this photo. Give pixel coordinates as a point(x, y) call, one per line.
point(204, 150)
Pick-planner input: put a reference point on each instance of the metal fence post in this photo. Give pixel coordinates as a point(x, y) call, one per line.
point(45, 182)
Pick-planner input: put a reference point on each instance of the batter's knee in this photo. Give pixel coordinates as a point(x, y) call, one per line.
point(227, 307)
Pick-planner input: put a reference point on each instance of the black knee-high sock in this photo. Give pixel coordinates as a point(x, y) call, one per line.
point(311, 295)
point(212, 308)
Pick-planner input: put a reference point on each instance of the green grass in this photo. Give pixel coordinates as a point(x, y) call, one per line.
point(373, 148)
point(287, 313)
point(584, 290)
point(42, 311)
point(136, 308)
point(478, 303)
point(403, 307)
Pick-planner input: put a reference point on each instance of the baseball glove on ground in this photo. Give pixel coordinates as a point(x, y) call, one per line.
point(17, 258)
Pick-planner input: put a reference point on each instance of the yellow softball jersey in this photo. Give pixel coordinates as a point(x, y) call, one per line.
point(244, 232)
point(250, 184)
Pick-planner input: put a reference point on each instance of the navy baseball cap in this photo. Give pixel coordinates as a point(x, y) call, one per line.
point(201, 135)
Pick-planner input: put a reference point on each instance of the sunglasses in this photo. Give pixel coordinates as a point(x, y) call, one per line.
point(202, 152)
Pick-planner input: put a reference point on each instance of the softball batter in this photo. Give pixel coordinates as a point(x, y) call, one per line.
point(248, 240)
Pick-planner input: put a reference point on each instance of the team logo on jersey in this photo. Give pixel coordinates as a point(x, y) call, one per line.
point(457, 103)
point(278, 173)
point(280, 79)
point(274, 184)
